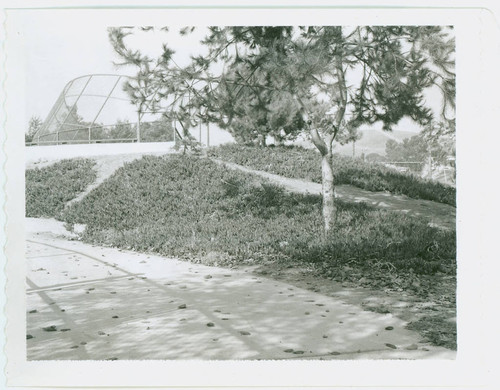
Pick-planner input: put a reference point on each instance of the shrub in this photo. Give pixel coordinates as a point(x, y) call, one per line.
point(48, 189)
point(300, 163)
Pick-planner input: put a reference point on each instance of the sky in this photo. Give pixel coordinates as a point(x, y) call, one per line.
point(56, 50)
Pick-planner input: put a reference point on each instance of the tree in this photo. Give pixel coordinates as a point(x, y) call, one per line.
point(160, 130)
point(412, 149)
point(342, 78)
point(257, 112)
point(34, 125)
point(122, 129)
point(436, 141)
point(335, 78)
point(440, 138)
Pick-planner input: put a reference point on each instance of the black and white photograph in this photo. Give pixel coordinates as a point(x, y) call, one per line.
point(233, 190)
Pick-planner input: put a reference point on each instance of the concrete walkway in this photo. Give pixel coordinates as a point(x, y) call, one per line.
point(39, 156)
point(438, 214)
point(87, 302)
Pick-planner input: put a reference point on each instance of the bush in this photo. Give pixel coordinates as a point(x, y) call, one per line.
point(187, 206)
point(49, 189)
point(300, 163)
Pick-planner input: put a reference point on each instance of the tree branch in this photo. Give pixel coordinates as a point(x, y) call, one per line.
point(318, 141)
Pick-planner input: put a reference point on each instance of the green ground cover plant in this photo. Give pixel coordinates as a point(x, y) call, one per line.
point(300, 163)
point(48, 189)
point(193, 208)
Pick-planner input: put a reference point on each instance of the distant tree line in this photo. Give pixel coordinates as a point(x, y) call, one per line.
point(160, 130)
point(436, 141)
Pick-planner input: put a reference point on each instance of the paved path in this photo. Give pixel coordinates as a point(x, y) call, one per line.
point(89, 302)
point(105, 166)
point(438, 214)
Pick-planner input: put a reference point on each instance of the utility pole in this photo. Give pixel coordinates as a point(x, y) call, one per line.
point(208, 134)
point(138, 126)
point(175, 130)
point(430, 165)
point(199, 135)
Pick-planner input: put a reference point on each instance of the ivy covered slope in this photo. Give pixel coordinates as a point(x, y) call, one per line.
point(191, 207)
point(48, 189)
point(300, 163)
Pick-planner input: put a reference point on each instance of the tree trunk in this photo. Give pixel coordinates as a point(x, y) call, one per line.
point(328, 192)
point(328, 186)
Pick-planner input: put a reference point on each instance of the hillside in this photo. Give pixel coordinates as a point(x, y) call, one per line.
point(373, 141)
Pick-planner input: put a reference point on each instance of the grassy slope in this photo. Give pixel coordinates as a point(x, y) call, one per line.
point(183, 205)
point(192, 208)
point(49, 189)
point(305, 164)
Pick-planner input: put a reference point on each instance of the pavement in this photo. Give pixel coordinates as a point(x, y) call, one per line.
point(43, 155)
point(87, 302)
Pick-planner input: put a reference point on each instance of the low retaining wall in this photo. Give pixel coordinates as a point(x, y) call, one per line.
point(34, 154)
